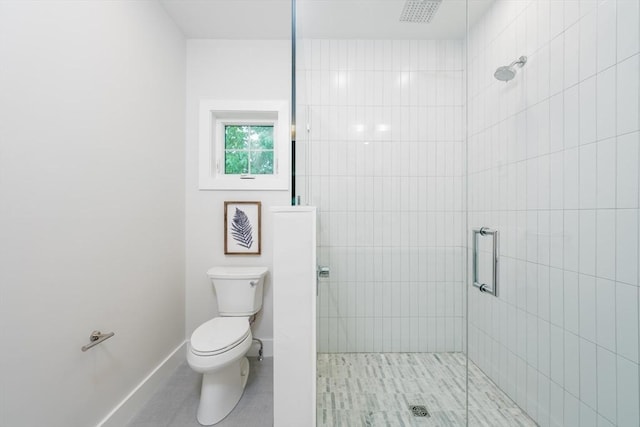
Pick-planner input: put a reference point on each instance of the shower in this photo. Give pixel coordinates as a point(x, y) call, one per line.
point(508, 72)
point(402, 136)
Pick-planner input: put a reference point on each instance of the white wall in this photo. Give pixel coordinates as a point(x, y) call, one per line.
point(382, 162)
point(294, 359)
point(553, 165)
point(91, 204)
point(228, 69)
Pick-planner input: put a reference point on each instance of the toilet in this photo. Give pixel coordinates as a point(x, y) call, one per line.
point(217, 347)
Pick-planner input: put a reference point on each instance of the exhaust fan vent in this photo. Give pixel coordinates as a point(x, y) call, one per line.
point(419, 10)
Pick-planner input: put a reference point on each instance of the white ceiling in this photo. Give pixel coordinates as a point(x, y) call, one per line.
point(271, 19)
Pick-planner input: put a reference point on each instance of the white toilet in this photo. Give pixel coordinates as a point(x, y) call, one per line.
point(218, 347)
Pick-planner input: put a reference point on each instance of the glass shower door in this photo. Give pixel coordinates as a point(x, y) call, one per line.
point(380, 148)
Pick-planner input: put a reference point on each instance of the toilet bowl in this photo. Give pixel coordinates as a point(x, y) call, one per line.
point(217, 350)
point(218, 347)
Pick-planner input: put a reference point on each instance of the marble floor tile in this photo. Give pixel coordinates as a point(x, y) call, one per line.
point(377, 389)
point(353, 390)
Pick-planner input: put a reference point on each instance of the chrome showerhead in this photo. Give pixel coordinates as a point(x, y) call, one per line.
point(419, 10)
point(505, 73)
point(508, 72)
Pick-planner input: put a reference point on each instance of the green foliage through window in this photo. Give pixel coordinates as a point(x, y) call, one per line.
point(248, 149)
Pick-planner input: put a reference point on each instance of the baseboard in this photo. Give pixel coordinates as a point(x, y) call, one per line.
point(267, 348)
point(130, 405)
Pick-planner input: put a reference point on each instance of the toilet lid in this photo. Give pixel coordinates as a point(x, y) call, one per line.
point(219, 334)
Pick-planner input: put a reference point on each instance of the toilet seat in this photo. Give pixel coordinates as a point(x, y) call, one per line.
point(219, 335)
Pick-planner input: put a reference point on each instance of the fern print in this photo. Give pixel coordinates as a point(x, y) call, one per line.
point(241, 230)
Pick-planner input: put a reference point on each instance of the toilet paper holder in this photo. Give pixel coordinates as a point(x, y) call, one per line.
point(96, 338)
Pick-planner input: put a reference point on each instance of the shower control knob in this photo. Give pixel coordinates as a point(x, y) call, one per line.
point(323, 272)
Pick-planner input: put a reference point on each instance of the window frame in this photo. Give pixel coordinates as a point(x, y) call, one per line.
point(214, 115)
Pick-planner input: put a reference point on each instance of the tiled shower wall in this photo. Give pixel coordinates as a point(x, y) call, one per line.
point(379, 144)
point(553, 165)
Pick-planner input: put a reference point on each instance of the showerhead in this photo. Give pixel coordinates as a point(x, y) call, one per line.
point(505, 73)
point(419, 10)
point(508, 72)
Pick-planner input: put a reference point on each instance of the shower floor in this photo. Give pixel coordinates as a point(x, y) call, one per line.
point(376, 389)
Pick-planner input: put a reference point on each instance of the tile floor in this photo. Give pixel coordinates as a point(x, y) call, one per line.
point(376, 389)
point(175, 404)
point(354, 389)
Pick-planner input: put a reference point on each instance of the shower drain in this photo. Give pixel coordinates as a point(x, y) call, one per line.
point(419, 410)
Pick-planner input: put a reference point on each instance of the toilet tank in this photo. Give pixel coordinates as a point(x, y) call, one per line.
point(238, 289)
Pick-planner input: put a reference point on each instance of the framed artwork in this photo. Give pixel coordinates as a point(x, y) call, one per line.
point(242, 228)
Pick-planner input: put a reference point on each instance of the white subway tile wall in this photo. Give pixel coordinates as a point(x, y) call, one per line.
point(554, 165)
point(380, 148)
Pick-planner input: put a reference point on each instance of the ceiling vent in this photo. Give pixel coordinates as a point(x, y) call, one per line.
point(419, 10)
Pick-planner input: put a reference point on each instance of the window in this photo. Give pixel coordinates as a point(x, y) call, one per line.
point(248, 149)
point(244, 145)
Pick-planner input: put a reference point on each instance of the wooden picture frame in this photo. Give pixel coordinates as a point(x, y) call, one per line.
point(242, 228)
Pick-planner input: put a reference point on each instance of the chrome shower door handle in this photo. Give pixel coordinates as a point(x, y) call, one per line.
point(483, 287)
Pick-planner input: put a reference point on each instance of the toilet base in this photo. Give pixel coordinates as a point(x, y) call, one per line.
point(221, 391)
